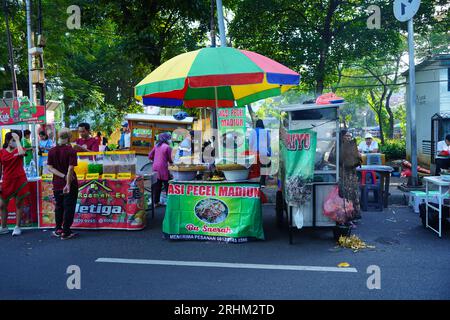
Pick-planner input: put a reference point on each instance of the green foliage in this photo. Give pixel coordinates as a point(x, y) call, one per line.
point(93, 70)
point(394, 149)
point(400, 116)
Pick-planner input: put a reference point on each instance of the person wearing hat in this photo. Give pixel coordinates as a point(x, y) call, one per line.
point(125, 137)
point(369, 145)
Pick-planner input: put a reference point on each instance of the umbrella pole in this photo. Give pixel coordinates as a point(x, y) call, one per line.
point(216, 122)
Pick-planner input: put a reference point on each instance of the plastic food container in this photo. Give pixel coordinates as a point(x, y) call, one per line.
point(127, 164)
point(82, 167)
point(236, 175)
point(95, 167)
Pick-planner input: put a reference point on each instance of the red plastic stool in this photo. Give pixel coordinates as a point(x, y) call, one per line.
point(364, 176)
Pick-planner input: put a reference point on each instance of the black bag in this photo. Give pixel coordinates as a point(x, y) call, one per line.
point(433, 216)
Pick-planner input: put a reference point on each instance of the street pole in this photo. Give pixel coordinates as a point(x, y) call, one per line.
point(412, 103)
point(223, 38)
point(10, 52)
point(41, 58)
point(30, 58)
point(223, 43)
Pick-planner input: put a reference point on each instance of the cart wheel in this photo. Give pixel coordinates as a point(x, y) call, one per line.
point(279, 207)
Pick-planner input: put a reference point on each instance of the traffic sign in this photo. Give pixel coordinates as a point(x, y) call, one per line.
point(404, 10)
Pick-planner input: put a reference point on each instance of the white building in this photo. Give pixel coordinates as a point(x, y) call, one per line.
point(432, 96)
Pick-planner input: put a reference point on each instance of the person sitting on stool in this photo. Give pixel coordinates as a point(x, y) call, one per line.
point(443, 155)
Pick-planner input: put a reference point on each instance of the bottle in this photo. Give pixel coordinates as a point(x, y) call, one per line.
point(32, 169)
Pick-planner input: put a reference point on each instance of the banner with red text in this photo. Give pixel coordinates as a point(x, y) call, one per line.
point(227, 212)
point(231, 128)
point(298, 152)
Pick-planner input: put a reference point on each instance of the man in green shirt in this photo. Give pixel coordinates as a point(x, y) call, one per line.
point(26, 144)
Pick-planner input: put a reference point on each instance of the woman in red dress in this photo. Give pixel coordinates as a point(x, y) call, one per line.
point(14, 180)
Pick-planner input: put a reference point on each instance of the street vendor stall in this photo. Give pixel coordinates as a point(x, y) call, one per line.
point(218, 77)
point(19, 114)
point(309, 147)
point(110, 193)
point(145, 128)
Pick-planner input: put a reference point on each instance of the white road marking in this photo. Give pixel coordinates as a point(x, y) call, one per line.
point(225, 265)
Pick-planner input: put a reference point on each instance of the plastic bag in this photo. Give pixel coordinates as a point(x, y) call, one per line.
point(336, 208)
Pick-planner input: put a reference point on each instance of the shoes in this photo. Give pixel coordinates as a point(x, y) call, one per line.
point(4, 230)
point(16, 231)
point(57, 233)
point(68, 236)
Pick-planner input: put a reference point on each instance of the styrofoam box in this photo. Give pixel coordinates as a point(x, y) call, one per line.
point(418, 197)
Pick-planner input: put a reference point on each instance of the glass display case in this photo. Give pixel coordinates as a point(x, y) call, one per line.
point(111, 163)
point(324, 121)
point(142, 139)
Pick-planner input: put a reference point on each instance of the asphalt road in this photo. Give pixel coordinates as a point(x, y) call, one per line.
point(414, 264)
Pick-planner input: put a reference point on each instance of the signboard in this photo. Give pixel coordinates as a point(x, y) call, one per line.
point(102, 204)
point(405, 10)
point(218, 212)
point(231, 128)
point(22, 112)
point(298, 150)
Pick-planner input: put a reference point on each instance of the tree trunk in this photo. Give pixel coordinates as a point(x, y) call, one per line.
point(213, 24)
point(380, 120)
point(391, 115)
point(252, 114)
point(327, 36)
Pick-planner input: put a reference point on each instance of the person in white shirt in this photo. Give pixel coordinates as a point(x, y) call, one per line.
point(443, 154)
point(369, 145)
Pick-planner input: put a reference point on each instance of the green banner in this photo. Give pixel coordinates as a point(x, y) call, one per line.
point(298, 149)
point(231, 128)
point(229, 212)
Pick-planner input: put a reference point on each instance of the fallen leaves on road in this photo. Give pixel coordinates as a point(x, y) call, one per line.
point(343, 265)
point(354, 243)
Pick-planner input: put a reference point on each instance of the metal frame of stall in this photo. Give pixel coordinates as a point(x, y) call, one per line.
point(289, 124)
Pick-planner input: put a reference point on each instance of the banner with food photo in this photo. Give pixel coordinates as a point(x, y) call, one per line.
point(229, 212)
point(102, 204)
point(298, 149)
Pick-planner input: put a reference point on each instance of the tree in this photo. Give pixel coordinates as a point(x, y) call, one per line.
point(94, 69)
point(316, 37)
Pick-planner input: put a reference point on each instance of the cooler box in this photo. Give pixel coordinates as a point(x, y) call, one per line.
point(418, 197)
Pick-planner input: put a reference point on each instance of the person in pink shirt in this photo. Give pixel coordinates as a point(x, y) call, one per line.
point(161, 155)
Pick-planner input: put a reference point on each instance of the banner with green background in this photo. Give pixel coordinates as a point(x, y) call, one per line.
point(229, 212)
point(298, 150)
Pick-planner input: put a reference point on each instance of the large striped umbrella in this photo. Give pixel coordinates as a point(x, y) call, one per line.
point(215, 77)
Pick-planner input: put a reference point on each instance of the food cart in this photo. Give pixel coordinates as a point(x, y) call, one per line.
point(110, 193)
point(309, 147)
point(146, 127)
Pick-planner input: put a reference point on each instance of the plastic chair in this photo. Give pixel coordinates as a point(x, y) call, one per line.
point(371, 183)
